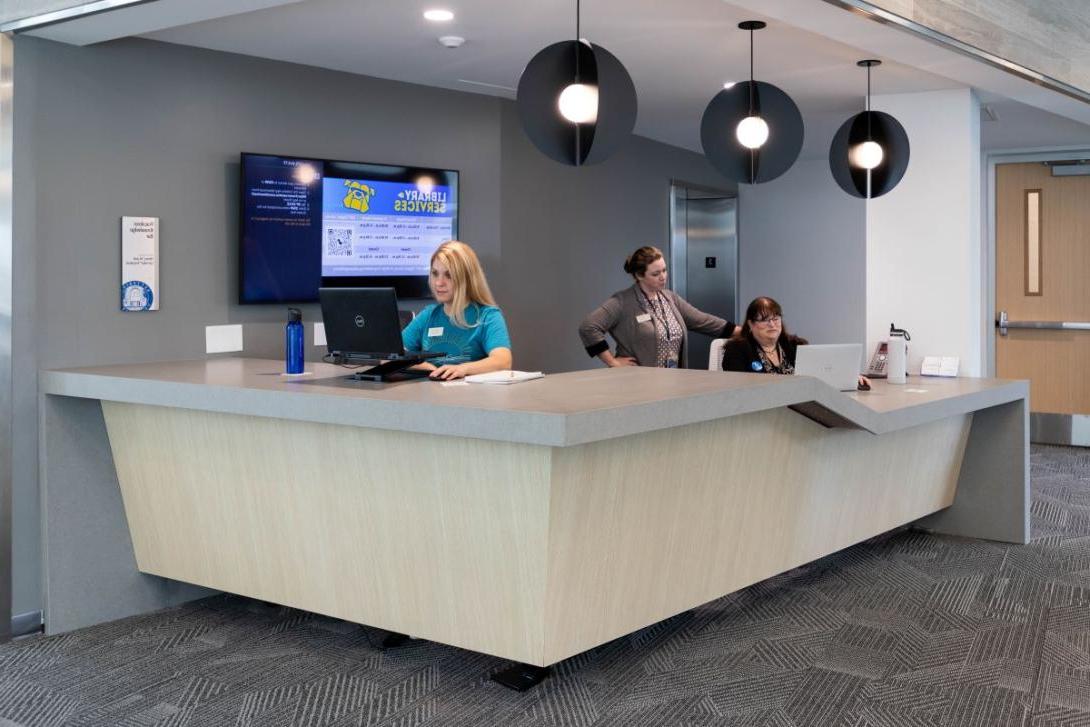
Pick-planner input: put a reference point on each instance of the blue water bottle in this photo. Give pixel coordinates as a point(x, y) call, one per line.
point(293, 342)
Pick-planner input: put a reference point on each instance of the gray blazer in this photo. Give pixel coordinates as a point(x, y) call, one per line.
point(617, 317)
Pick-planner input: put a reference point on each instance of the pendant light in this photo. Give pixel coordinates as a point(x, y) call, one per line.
point(576, 102)
point(751, 132)
point(869, 153)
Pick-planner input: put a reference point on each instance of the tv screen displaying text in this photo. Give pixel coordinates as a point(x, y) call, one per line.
point(305, 219)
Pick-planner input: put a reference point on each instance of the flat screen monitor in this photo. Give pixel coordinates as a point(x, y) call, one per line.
point(305, 223)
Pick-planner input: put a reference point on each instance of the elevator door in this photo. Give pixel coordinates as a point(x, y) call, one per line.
point(704, 257)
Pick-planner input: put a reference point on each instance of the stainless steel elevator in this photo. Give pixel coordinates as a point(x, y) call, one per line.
point(704, 256)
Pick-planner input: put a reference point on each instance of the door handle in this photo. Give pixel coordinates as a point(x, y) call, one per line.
point(1003, 323)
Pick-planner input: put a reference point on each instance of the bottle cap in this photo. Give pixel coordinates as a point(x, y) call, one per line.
point(894, 331)
point(295, 315)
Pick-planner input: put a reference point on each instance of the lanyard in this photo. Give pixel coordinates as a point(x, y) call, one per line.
point(655, 312)
point(767, 362)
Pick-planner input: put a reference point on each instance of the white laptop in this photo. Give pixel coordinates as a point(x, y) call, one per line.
point(836, 364)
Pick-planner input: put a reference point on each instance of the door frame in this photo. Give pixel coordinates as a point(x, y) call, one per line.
point(1046, 428)
point(992, 160)
point(671, 220)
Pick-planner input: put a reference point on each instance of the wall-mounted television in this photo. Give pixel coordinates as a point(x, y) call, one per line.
point(305, 223)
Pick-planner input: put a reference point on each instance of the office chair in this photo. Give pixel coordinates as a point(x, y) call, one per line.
point(715, 354)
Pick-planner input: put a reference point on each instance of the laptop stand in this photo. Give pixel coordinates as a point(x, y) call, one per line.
point(394, 370)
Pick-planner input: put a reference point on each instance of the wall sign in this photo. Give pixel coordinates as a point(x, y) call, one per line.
point(139, 263)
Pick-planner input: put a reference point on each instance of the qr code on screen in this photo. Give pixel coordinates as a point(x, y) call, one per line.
point(338, 242)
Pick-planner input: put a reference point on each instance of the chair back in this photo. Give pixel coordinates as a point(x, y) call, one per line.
point(715, 354)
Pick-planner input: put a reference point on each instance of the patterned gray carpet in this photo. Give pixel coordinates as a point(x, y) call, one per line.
point(906, 629)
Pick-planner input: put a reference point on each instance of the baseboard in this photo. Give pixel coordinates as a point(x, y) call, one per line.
point(25, 624)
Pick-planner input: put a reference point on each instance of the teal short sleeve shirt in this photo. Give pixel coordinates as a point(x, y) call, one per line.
point(433, 330)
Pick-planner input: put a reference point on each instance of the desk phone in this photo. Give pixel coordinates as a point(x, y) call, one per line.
point(876, 369)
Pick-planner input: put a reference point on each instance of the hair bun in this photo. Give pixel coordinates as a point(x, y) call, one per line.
point(637, 262)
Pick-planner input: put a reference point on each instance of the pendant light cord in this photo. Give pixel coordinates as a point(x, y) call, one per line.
point(578, 139)
point(752, 93)
point(751, 72)
point(870, 136)
point(578, 41)
point(868, 88)
point(577, 19)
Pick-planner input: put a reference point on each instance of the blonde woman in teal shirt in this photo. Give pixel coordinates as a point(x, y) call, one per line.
point(464, 323)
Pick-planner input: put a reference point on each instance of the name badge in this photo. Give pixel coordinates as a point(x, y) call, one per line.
point(435, 332)
point(643, 318)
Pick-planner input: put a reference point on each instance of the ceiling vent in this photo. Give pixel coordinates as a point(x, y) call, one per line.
point(1070, 168)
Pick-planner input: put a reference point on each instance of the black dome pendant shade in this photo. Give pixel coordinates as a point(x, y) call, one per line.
point(857, 174)
point(719, 129)
point(553, 70)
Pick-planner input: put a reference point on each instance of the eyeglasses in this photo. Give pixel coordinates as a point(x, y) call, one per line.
point(770, 321)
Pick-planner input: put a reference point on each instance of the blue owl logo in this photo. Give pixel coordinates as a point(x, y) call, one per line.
point(136, 295)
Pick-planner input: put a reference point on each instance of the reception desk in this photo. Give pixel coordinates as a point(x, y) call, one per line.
point(532, 521)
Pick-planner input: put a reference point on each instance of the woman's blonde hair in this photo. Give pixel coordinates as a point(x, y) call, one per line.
point(467, 276)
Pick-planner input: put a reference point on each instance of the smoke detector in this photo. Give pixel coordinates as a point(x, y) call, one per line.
point(451, 41)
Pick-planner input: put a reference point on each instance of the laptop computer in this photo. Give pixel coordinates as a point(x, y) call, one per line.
point(836, 364)
point(363, 325)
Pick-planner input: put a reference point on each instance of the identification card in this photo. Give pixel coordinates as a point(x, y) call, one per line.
point(643, 318)
point(435, 332)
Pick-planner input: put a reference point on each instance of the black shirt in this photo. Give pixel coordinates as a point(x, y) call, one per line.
point(744, 354)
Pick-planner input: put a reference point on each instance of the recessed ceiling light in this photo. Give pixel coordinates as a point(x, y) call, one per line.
point(729, 85)
point(438, 15)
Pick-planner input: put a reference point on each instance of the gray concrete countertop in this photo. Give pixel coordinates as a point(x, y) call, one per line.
point(558, 410)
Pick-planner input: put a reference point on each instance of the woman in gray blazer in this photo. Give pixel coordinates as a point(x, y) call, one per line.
point(649, 323)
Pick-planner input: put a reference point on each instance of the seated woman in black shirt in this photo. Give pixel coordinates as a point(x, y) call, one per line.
point(763, 346)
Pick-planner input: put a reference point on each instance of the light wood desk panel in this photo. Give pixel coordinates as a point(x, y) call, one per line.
point(439, 537)
point(521, 551)
point(646, 527)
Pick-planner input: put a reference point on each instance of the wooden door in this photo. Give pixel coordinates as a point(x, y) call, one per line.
point(1042, 273)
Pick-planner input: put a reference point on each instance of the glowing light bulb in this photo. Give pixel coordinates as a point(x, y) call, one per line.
point(752, 132)
point(425, 184)
point(867, 155)
point(578, 103)
point(305, 174)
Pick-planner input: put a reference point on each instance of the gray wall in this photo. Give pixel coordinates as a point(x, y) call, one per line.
point(143, 128)
point(567, 231)
point(137, 127)
point(803, 241)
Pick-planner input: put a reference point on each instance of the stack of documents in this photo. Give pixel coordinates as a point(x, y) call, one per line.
point(504, 377)
point(939, 366)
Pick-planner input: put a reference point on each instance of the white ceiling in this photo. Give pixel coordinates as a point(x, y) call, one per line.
point(679, 53)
